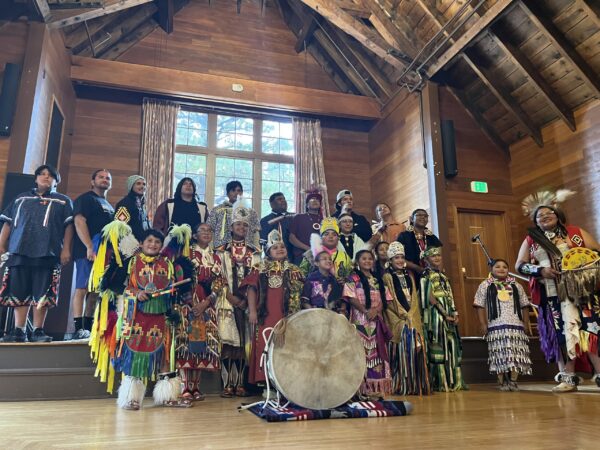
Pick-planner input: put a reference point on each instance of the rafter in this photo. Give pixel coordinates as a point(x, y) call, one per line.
point(309, 24)
point(491, 15)
point(166, 10)
point(505, 99)
point(92, 14)
point(43, 8)
point(343, 20)
point(386, 28)
point(591, 10)
point(355, 9)
point(517, 57)
point(561, 44)
point(478, 118)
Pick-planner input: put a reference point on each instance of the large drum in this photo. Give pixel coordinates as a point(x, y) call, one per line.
point(321, 363)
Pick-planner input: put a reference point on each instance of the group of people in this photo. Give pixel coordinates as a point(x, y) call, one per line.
point(192, 290)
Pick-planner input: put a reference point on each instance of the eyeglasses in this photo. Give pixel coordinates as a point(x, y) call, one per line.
point(421, 215)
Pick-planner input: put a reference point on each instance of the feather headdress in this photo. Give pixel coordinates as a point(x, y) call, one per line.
point(544, 198)
point(177, 243)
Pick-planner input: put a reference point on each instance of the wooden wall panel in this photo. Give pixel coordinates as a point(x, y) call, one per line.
point(13, 40)
point(107, 135)
point(214, 39)
point(397, 176)
point(478, 159)
point(568, 160)
point(346, 161)
point(54, 85)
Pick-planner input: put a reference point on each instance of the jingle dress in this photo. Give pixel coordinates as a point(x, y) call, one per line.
point(407, 349)
point(374, 335)
point(278, 285)
point(508, 345)
point(444, 348)
point(143, 333)
point(197, 338)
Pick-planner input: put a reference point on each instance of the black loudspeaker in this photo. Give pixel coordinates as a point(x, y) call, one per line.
point(14, 184)
point(449, 149)
point(8, 96)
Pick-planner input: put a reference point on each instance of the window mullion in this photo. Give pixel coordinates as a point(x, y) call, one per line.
point(211, 165)
point(257, 185)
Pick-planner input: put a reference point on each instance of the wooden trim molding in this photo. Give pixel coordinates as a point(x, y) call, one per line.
point(201, 86)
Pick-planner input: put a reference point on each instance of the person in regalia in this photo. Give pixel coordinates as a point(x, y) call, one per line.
point(502, 305)
point(408, 352)
point(368, 298)
point(273, 292)
point(440, 325)
point(197, 335)
point(568, 302)
point(144, 333)
point(238, 258)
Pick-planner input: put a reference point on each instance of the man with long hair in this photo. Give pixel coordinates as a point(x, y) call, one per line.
point(184, 207)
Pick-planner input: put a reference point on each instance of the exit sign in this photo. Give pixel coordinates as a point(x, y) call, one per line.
point(481, 187)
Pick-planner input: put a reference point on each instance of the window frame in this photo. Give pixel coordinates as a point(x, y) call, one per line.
point(257, 156)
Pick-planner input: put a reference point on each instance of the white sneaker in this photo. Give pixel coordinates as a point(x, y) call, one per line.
point(564, 387)
point(81, 335)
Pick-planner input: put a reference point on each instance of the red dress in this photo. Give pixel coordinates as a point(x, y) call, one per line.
point(274, 307)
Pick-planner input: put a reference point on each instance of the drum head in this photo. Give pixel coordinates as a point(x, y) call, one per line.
point(322, 362)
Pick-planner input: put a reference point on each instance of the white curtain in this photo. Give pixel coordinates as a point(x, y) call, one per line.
point(310, 173)
point(158, 147)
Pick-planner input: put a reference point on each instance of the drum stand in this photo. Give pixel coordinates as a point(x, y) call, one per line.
point(264, 364)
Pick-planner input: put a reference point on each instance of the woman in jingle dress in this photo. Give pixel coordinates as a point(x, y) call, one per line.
point(368, 299)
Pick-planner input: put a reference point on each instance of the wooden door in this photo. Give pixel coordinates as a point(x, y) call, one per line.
point(473, 268)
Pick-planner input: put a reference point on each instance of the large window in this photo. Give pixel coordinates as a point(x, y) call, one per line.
point(214, 149)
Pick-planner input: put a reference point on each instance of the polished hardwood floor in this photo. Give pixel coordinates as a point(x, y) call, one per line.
point(481, 418)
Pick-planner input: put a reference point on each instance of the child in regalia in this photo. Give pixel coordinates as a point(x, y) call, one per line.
point(368, 298)
point(403, 316)
point(197, 334)
point(273, 292)
point(440, 325)
point(501, 305)
point(144, 335)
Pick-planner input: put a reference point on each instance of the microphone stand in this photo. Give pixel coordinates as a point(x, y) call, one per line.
point(477, 238)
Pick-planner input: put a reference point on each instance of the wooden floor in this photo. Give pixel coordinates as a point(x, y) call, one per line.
point(481, 418)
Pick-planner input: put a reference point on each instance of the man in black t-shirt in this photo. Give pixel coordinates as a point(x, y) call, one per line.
point(92, 212)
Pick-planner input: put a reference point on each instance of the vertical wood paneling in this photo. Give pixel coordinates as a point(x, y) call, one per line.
point(397, 176)
point(568, 160)
point(214, 39)
point(13, 40)
point(346, 161)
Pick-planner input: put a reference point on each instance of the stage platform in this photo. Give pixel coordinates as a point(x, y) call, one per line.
point(482, 418)
point(63, 370)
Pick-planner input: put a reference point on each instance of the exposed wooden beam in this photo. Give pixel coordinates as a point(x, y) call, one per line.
point(509, 102)
point(166, 11)
point(130, 40)
point(519, 59)
point(309, 25)
point(200, 86)
point(479, 119)
point(592, 10)
point(344, 66)
point(42, 7)
point(375, 73)
point(115, 7)
point(343, 20)
point(124, 24)
point(357, 10)
point(560, 43)
point(491, 15)
point(75, 4)
point(388, 30)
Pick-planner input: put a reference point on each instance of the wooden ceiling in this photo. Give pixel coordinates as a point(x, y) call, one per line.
point(515, 65)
